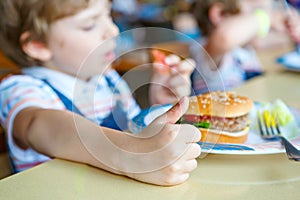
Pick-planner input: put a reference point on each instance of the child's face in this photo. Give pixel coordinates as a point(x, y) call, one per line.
point(248, 6)
point(71, 39)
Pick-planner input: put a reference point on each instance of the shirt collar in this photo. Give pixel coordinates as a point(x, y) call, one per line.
point(62, 82)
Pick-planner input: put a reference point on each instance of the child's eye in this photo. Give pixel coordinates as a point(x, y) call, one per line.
point(88, 28)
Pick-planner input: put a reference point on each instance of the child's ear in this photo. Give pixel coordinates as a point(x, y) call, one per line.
point(34, 48)
point(216, 13)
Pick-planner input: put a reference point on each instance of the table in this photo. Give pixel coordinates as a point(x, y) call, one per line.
point(217, 176)
point(281, 84)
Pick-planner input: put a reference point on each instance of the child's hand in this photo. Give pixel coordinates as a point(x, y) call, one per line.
point(171, 79)
point(292, 23)
point(170, 149)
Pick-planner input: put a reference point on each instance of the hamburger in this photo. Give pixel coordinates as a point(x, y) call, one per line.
point(222, 117)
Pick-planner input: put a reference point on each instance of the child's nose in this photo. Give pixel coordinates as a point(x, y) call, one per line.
point(112, 31)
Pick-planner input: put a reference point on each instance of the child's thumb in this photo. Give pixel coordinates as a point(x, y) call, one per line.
point(174, 114)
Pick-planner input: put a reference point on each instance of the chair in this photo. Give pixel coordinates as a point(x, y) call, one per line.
point(6, 67)
point(5, 167)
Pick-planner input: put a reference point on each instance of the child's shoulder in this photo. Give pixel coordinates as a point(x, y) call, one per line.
point(20, 91)
point(18, 80)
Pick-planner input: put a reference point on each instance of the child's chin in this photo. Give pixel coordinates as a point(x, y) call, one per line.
point(105, 70)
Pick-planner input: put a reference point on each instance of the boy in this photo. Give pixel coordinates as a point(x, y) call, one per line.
point(229, 28)
point(49, 39)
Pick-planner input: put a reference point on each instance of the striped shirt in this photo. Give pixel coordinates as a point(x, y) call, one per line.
point(236, 67)
point(95, 99)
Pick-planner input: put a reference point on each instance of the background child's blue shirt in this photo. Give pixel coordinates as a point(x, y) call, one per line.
point(236, 67)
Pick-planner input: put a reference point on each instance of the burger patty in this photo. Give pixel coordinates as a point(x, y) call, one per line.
point(225, 124)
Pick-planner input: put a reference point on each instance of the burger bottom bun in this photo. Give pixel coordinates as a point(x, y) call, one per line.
point(216, 136)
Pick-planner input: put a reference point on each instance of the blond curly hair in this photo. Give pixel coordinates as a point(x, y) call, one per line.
point(34, 17)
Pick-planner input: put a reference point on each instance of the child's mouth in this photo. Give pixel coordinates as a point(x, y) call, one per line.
point(109, 56)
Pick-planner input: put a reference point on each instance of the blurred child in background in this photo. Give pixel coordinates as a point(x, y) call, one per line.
point(229, 28)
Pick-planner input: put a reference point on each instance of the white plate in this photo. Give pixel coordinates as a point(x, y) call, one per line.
point(254, 144)
point(290, 61)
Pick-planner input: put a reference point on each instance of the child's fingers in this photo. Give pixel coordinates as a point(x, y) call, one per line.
point(294, 30)
point(161, 69)
point(190, 165)
point(181, 90)
point(174, 114)
point(171, 64)
point(187, 164)
point(179, 80)
point(187, 65)
point(178, 179)
point(180, 85)
point(172, 59)
point(195, 135)
point(194, 150)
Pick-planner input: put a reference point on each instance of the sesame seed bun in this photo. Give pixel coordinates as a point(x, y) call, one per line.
point(220, 104)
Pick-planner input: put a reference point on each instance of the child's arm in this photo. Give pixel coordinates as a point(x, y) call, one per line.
point(69, 136)
point(232, 32)
point(171, 79)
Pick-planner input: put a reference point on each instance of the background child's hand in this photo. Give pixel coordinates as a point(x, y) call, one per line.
point(292, 23)
point(171, 79)
point(170, 149)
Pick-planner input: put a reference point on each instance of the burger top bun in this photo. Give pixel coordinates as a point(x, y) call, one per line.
point(220, 104)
